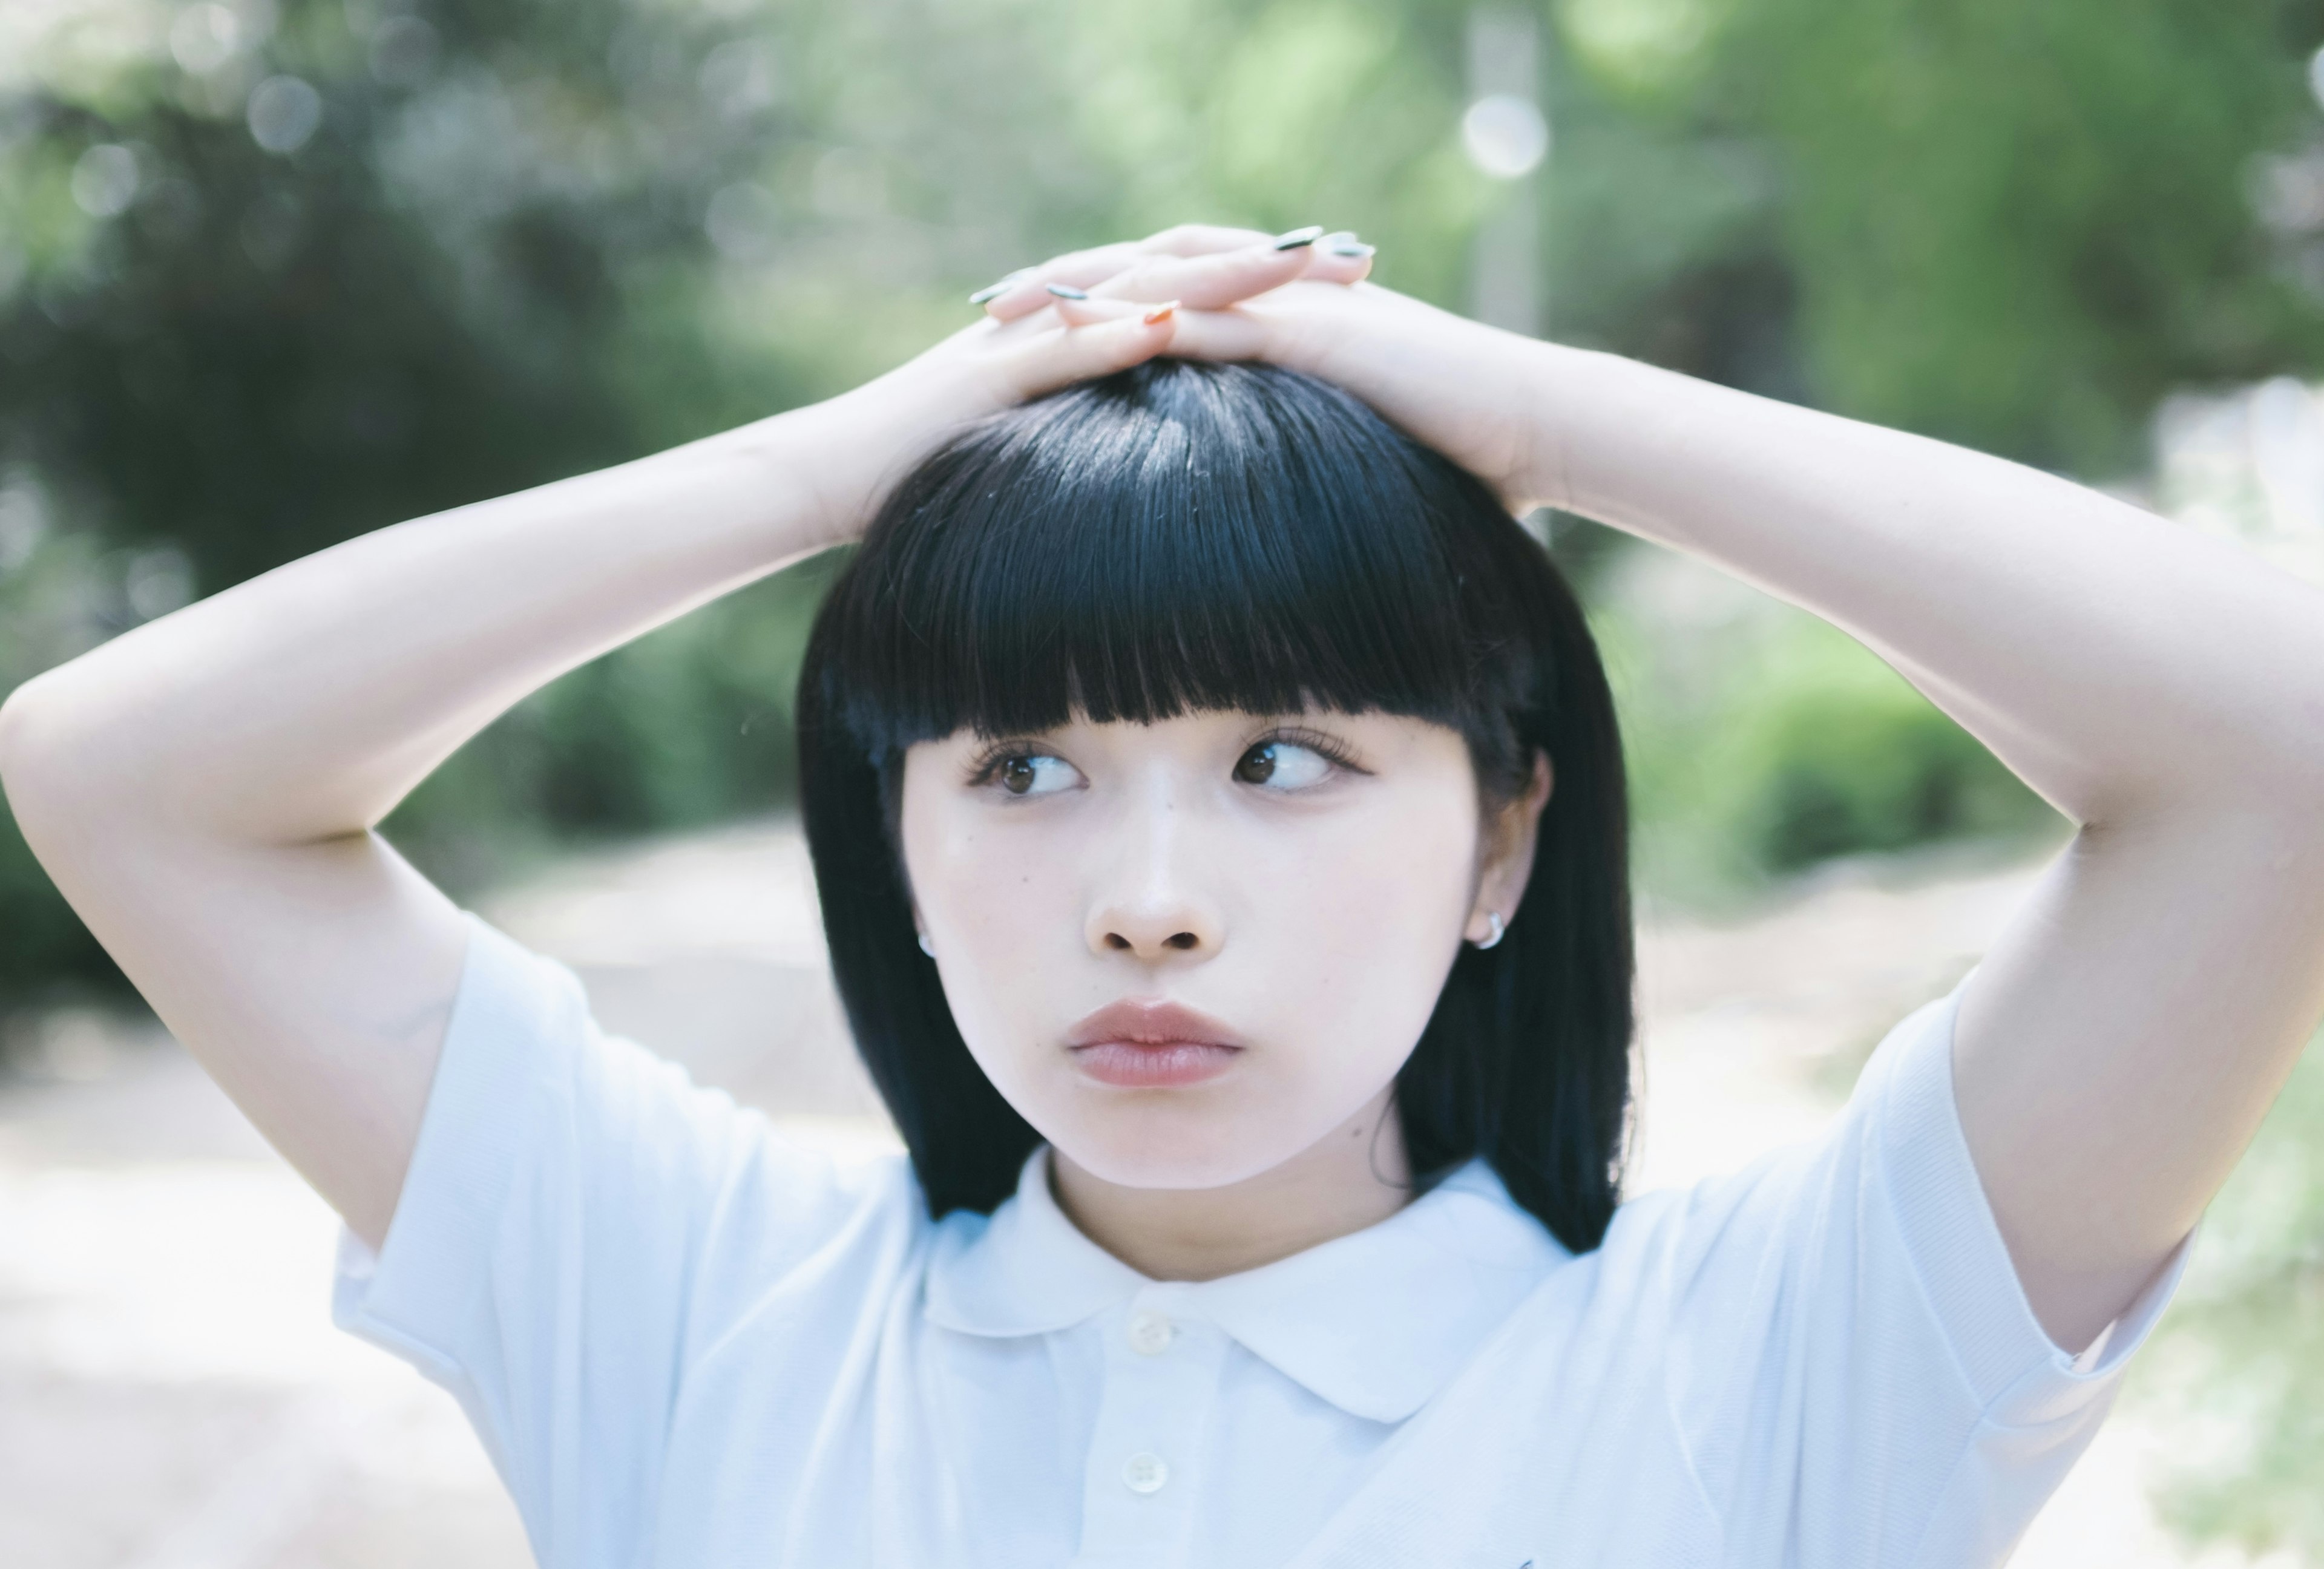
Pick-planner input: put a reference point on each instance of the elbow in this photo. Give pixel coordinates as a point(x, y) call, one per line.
point(38, 769)
point(24, 745)
point(20, 736)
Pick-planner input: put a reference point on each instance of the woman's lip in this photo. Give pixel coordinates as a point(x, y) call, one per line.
point(1134, 1066)
point(1153, 1023)
point(1143, 1044)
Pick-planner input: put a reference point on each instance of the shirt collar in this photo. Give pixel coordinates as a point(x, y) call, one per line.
point(1374, 1322)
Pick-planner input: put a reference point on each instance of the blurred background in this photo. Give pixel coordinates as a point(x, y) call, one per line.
point(273, 272)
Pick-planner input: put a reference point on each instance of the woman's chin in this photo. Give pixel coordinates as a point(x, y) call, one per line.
point(1160, 1146)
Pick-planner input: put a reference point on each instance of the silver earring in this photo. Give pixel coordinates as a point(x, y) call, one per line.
point(1493, 919)
point(926, 947)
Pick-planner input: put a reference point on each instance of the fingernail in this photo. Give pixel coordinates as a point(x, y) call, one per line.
point(1298, 237)
point(1067, 291)
point(1006, 281)
point(1352, 248)
point(1161, 312)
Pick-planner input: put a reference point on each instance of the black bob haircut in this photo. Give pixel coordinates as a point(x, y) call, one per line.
point(1185, 537)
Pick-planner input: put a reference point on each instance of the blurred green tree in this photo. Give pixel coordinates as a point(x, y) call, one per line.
point(2019, 226)
point(273, 272)
point(271, 279)
point(276, 272)
point(2240, 1377)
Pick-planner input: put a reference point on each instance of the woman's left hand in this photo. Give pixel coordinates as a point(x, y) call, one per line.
point(1454, 384)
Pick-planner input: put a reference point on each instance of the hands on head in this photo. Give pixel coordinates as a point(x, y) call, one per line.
point(1199, 267)
point(1185, 290)
point(1202, 291)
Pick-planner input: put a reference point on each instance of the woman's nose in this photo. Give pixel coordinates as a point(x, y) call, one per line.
point(1151, 933)
point(1154, 904)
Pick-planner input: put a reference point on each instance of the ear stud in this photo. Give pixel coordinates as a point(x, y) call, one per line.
point(1497, 928)
point(926, 947)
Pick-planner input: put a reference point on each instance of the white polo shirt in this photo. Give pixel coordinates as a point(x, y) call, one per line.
point(689, 1343)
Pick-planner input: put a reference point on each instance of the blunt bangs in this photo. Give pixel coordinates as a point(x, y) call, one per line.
point(1180, 538)
point(1184, 537)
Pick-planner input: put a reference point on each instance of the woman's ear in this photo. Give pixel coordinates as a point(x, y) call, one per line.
point(1505, 857)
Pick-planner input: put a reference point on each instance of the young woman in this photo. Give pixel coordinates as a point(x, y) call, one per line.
point(1218, 813)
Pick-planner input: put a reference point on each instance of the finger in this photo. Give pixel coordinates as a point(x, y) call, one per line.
point(1199, 239)
point(1020, 292)
point(1220, 335)
point(1209, 282)
point(1299, 326)
point(1077, 354)
point(1339, 258)
point(1090, 310)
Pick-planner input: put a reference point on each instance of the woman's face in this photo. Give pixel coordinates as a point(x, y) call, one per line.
point(1187, 950)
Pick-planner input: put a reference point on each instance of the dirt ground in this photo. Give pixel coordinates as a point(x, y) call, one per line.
point(173, 1395)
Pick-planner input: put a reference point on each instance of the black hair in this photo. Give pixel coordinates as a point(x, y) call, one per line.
point(1187, 537)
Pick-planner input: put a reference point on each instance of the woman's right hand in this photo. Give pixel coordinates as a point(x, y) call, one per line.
point(1034, 340)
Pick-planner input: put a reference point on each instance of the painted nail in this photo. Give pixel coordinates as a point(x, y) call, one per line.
point(1352, 248)
point(1160, 313)
point(1001, 285)
point(1298, 237)
point(1067, 291)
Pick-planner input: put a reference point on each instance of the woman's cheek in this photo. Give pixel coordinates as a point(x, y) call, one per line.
point(1361, 930)
point(1010, 942)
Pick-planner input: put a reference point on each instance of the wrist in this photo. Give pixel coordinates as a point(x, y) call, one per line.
point(1552, 378)
point(845, 453)
point(1569, 393)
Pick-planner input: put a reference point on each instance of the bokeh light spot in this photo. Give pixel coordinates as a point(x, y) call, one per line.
point(1505, 136)
point(284, 113)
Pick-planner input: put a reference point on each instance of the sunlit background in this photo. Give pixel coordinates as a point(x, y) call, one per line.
point(277, 272)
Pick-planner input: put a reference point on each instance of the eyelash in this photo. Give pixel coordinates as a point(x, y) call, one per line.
point(1329, 748)
point(985, 767)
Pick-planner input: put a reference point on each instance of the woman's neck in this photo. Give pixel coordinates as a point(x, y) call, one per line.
point(1355, 1176)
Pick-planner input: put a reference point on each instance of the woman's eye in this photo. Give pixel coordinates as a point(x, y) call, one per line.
point(1283, 765)
point(1033, 774)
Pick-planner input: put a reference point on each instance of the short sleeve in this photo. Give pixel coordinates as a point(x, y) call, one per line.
point(1857, 1371)
point(579, 1221)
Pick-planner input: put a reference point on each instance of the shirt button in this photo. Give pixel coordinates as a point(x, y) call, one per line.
point(1149, 1334)
point(1144, 1472)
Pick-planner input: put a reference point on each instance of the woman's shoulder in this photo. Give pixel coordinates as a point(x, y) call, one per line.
point(1844, 1180)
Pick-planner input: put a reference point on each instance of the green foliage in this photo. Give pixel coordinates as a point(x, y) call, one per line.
point(1762, 741)
point(526, 239)
point(2022, 225)
point(47, 611)
point(529, 237)
point(2240, 1369)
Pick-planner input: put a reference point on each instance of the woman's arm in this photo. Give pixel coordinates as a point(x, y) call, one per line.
point(203, 789)
point(2119, 1046)
point(2120, 1043)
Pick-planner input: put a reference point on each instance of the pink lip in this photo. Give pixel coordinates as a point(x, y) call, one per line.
point(1150, 1045)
